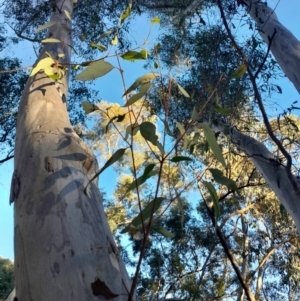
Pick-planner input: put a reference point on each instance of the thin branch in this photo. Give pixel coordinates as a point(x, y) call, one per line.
point(228, 252)
point(8, 157)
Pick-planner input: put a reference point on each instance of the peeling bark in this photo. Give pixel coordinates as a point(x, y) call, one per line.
point(64, 249)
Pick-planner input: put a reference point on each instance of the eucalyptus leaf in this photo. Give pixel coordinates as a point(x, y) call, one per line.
point(213, 144)
point(140, 81)
point(134, 98)
point(180, 158)
point(51, 40)
point(153, 206)
point(45, 26)
point(164, 232)
point(215, 199)
point(95, 70)
point(89, 107)
point(148, 131)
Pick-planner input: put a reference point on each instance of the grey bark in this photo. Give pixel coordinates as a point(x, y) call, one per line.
point(245, 262)
point(272, 170)
point(285, 46)
point(64, 249)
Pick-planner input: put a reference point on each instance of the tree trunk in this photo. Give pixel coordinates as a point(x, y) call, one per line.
point(273, 172)
point(285, 46)
point(64, 249)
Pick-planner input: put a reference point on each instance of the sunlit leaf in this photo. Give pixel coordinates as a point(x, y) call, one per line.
point(105, 34)
point(134, 55)
point(143, 90)
point(155, 20)
point(239, 72)
point(47, 25)
point(50, 40)
point(68, 15)
point(99, 46)
point(41, 65)
point(115, 40)
point(140, 81)
point(89, 107)
point(186, 94)
point(95, 70)
point(164, 232)
point(125, 14)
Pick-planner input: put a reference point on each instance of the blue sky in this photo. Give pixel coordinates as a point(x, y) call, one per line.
point(111, 90)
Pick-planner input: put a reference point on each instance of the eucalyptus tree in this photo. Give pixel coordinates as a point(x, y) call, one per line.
point(63, 245)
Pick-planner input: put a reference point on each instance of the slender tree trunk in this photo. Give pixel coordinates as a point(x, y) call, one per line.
point(285, 46)
point(64, 249)
point(245, 264)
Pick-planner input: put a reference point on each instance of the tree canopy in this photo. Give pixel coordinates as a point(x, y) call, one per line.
point(200, 207)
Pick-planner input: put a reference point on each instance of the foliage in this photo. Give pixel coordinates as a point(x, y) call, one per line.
point(6, 278)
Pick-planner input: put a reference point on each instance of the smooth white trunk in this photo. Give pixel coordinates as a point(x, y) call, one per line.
point(63, 243)
point(285, 46)
point(273, 172)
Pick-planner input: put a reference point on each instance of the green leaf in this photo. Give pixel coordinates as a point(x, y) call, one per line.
point(95, 70)
point(155, 20)
point(68, 15)
point(144, 89)
point(215, 199)
point(160, 147)
point(99, 46)
point(132, 130)
point(140, 81)
point(134, 55)
point(47, 25)
point(186, 94)
point(119, 118)
point(239, 72)
point(50, 40)
point(42, 65)
point(221, 179)
point(114, 158)
point(164, 232)
point(148, 173)
point(155, 65)
point(195, 114)
point(115, 40)
point(183, 134)
point(218, 108)
point(148, 131)
point(105, 34)
point(89, 107)
point(213, 144)
point(180, 158)
point(153, 206)
point(125, 14)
